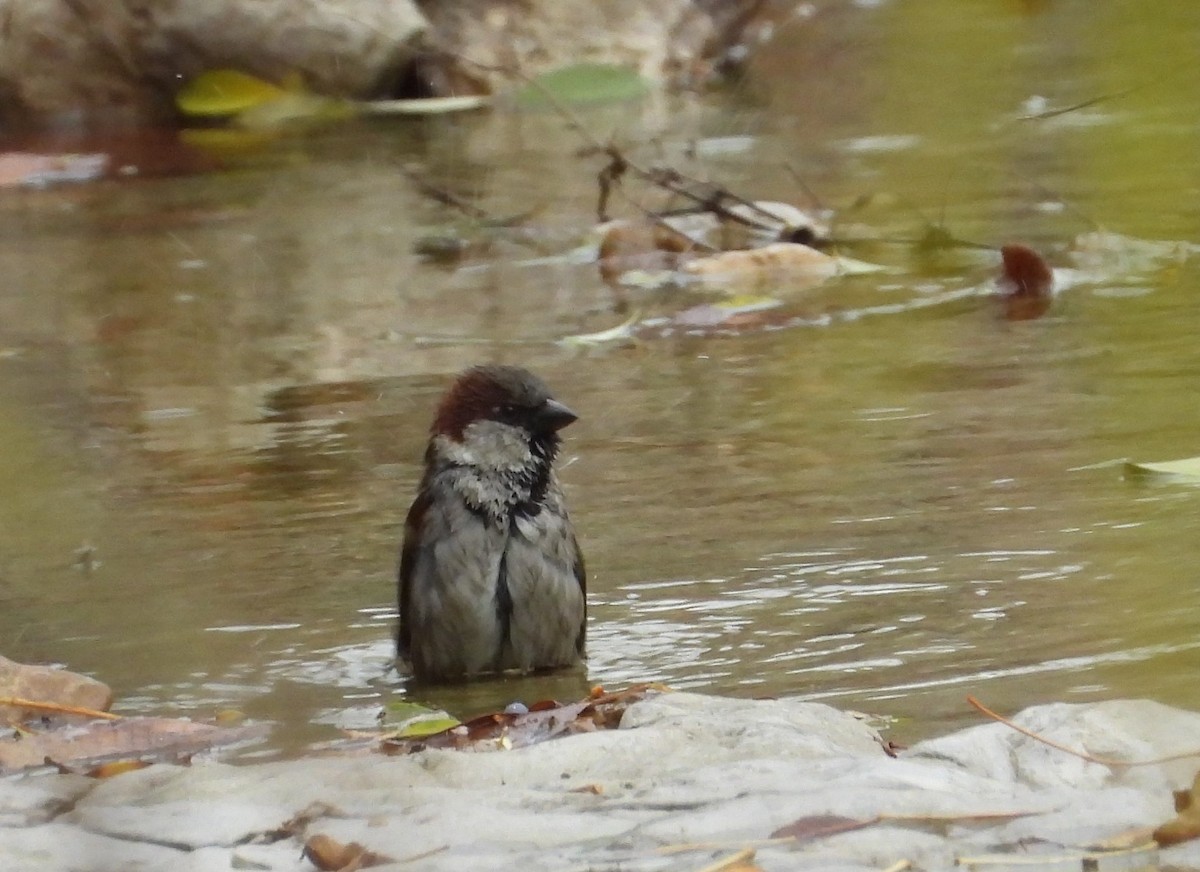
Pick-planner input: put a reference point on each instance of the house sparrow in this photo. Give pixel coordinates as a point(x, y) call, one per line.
point(491, 575)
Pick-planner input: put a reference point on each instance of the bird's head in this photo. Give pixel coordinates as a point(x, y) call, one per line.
point(500, 417)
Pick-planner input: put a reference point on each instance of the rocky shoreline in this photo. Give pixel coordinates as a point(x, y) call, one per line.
point(687, 781)
point(71, 61)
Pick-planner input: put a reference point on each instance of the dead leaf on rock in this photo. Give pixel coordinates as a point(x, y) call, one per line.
point(1186, 824)
point(330, 855)
point(118, 767)
point(544, 720)
point(819, 826)
point(99, 742)
point(740, 861)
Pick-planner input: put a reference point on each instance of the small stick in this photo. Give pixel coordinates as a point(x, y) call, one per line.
point(735, 859)
point(719, 846)
point(56, 707)
point(1083, 755)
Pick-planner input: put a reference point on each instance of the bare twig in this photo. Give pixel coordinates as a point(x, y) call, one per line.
point(737, 858)
point(36, 705)
point(1083, 755)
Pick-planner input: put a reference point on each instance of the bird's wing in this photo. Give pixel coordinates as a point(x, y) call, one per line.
point(408, 560)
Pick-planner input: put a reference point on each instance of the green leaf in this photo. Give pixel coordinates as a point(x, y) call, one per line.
point(426, 727)
point(217, 93)
point(1188, 468)
point(583, 83)
point(411, 720)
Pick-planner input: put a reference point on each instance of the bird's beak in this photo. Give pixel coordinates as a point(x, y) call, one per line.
point(553, 416)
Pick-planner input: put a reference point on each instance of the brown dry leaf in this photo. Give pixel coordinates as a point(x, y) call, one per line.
point(47, 685)
point(1026, 285)
point(117, 767)
point(780, 261)
point(739, 861)
point(330, 855)
point(1186, 824)
point(819, 826)
point(642, 245)
point(98, 742)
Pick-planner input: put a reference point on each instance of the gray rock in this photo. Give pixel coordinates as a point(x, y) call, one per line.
point(59, 847)
point(134, 54)
point(687, 780)
point(1117, 729)
point(36, 800)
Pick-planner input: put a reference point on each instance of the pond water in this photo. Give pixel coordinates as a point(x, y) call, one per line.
point(215, 389)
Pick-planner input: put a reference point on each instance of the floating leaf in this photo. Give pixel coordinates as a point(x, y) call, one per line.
point(620, 333)
point(1027, 283)
point(644, 244)
point(1187, 469)
point(583, 83)
point(218, 93)
point(779, 262)
point(426, 105)
point(737, 312)
point(1026, 272)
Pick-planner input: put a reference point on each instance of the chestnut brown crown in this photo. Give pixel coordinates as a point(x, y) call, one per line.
point(508, 394)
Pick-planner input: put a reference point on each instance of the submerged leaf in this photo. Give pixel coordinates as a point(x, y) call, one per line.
point(583, 83)
point(217, 93)
point(294, 107)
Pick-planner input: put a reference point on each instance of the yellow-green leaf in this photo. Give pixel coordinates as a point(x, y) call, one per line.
point(583, 83)
point(1188, 468)
point(217, 93)
point(426, 727)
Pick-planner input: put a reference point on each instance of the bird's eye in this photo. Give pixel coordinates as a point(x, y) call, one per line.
point(505, 411)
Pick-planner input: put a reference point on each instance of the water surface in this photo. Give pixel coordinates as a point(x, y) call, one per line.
point(214, 391)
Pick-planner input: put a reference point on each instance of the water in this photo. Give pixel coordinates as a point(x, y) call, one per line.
point(214, 392)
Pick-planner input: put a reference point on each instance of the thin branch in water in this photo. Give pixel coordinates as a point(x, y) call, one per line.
point(1083, 104)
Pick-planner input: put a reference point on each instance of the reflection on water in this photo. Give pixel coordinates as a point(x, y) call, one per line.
point(214, 393)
